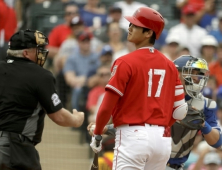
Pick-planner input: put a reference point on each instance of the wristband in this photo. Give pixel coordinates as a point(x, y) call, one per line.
point(206, 128)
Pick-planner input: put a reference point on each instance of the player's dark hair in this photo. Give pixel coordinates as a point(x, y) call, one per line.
point(152, 38)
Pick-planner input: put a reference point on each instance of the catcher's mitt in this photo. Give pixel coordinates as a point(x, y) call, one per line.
point(194, 119)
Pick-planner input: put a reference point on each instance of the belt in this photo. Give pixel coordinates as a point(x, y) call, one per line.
point(141, 124)
point(174, 166)
point(23, 138)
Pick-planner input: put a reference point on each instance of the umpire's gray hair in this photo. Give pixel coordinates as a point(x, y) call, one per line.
point(15, 53)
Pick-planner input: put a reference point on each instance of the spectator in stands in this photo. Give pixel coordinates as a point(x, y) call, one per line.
point(68, 45)
point(207, 15)
point(183, 50)
point(103, 73)
point(67, 48)
point(8, 26)
point(206, 11)
point(127, 7)
point(198, 4)
point(172, 47)
point(114, 33)
point(61, 32)
point(208, 48)
point(106, 55)
point(80, 65)
point(71, 44)
point(106, 58)
point(216, 67)
point(218, 32)
point(189, 33)
point(208, 160)
point(162, 40)
point(219, 105)
point(210, 90)
point(114, 15)
point(93, 15)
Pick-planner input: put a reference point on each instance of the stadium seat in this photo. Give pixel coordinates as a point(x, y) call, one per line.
point(44, 16)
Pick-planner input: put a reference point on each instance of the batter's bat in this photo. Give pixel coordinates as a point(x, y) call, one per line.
point(95, 165)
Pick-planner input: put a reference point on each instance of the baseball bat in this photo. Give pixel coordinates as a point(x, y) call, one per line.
point(95, 165)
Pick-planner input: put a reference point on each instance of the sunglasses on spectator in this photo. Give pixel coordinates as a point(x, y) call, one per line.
point(71, 13)
point(103, 74)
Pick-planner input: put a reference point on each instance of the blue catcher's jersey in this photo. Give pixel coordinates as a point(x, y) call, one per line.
point(183, 138)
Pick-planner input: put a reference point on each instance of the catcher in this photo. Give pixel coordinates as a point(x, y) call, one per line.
point(201, 114)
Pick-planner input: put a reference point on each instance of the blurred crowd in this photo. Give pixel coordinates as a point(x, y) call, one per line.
point(86, 36)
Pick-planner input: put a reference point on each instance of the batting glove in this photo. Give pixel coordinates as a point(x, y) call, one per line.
point(93, 144)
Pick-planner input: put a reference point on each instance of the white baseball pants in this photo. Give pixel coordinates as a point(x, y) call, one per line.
point(141, 148)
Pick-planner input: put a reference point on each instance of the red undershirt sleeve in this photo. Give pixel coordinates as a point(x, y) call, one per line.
point(105, 111)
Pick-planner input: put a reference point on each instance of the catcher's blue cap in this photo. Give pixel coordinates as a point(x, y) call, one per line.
point(181, 61)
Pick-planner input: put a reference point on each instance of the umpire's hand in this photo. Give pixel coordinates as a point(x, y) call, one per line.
point(79, 117)
point(64, 118)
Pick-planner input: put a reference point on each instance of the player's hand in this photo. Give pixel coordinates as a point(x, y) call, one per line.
point(95, 148)
point(79, 116)
point(91, 127)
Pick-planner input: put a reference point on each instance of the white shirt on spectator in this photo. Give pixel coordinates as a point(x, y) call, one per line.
point(127, 11)
point(120, 53)
point(190, 38)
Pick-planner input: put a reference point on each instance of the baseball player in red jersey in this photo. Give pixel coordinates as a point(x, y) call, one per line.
point(143, 95)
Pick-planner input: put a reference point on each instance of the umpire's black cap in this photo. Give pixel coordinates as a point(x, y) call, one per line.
point(27, 39)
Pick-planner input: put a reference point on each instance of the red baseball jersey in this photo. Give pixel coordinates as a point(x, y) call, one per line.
point(149, 87)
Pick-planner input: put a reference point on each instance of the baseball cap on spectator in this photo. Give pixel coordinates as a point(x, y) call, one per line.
point(82, 36)
point(212, 158)
point(107, 49)
point(115, 8)
point(173, 39)
point(76, 21)
point(209, 40)
point(189, 9)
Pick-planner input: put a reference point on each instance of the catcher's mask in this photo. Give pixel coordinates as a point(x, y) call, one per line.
point(25, 39)
point(196, 74)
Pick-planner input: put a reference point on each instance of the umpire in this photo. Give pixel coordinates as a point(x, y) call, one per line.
point(26, 91)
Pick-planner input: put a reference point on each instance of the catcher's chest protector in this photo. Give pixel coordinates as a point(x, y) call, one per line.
point(182, 137)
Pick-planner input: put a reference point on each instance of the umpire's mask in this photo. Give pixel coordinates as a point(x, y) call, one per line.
point(25, 39)
point(41, 52)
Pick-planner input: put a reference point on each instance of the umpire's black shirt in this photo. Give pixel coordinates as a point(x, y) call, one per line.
point(25, 89)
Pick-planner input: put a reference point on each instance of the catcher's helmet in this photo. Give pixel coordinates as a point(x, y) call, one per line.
point(147, 18)
point(186, 64)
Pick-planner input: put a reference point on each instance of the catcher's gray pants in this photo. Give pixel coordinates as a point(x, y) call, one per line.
point(169, 168)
